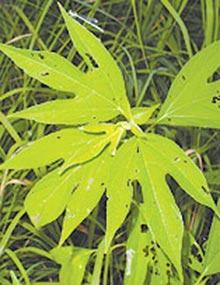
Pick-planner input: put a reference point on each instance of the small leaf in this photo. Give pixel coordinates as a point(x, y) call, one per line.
point(141, 115)
point(69, 111)
point(49, 196)
point(192, 99)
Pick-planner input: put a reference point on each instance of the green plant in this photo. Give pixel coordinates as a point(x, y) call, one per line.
point(100, 157)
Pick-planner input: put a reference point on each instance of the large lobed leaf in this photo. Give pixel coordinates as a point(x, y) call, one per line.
point(192, 99)
point(105, 74)
point(101, 89)
point(148, 160)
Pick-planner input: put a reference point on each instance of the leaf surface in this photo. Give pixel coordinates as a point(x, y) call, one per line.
point(91, 179)
point(136, 254)
point(157, 196)
point(211, 264)
point(142, 115)
point(69, 111)
point(176, 163)
point(72, 145)
point(192, 99)
point(105, 75)
point(49, 68)
point(119, 188)
point(73, 263)
point(49, 196)
point(157, 157)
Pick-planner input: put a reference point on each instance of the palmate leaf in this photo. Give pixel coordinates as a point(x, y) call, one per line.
point(155, 158)
point(157, 196)
point(192, 99)
point(93, 162)
point(101, 89)
point(105, 74)
point(156, 151)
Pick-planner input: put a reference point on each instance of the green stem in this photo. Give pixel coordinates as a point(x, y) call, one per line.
point(105, 277)
point(2, 188)
point(10, 229)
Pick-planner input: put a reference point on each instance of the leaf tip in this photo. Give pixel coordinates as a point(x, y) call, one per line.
point(60, 6)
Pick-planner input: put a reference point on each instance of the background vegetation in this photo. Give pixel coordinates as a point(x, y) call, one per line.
point(150, 46)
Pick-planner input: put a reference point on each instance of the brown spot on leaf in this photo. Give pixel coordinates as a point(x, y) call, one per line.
point(144, 228)
point(205, 189)
point(46, 73)
point(215, 99)
point(41, 56)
